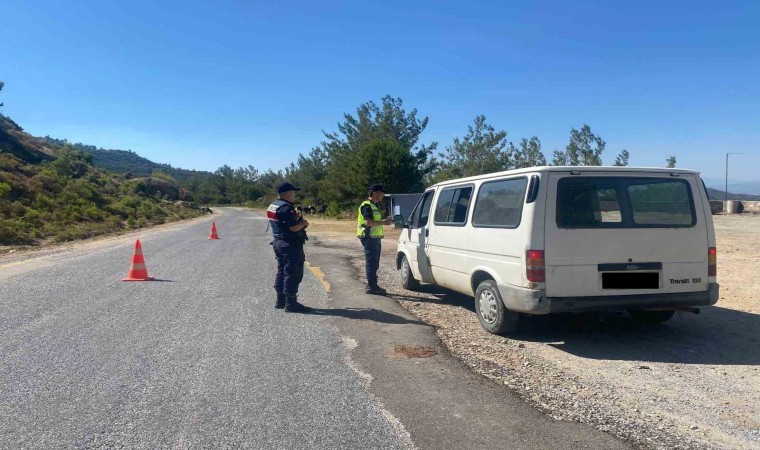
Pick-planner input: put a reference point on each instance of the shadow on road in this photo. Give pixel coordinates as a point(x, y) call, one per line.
point(366, 314)
point(717, 336)
point(442, 296)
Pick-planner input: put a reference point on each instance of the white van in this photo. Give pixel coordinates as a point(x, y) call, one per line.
point(566, 239)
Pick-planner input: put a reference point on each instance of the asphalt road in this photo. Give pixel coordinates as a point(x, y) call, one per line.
point(198, 359)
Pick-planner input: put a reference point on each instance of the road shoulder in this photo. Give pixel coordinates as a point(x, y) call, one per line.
point(440, 401)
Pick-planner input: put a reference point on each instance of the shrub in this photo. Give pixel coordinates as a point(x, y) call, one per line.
point(333, 209)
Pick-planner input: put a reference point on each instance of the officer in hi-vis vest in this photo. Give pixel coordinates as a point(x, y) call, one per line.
point(370, 231)
point(289, 233)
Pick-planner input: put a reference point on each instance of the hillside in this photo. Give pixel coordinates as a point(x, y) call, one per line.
point(716, 194)
point(25, 147)
point(55, 193)
point(127, 161)
point(224, 186)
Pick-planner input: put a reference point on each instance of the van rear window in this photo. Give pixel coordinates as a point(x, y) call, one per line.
point(624, 202)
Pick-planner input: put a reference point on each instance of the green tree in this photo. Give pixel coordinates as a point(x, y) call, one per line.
point(622, 158)
point(481, 150)
point(671, 162)
point(70, 162)
point(2, 85)
point(585, 149)
point(529, 154)
point(225, 171)
point(387, 162)
point(386, 122)
point(5, 189)
point(308, 173)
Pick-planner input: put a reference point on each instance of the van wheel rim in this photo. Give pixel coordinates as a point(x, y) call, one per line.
point(405, 271)
point(488, 306)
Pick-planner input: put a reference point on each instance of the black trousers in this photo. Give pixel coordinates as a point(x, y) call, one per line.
point(290, 261)
point(372, 248)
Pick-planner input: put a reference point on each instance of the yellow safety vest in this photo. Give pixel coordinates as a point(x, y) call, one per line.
point(375, 232)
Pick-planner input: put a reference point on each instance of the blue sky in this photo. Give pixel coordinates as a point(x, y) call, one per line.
point(201, 84)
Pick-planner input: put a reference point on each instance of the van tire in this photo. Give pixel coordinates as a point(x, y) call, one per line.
point(407, 277)
point(645, 317)
point(492, 313)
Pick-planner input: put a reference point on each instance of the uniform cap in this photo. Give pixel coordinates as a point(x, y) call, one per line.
point(285, 187)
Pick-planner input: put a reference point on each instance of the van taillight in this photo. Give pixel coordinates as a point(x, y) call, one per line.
point(712, 262)
point(535, 268)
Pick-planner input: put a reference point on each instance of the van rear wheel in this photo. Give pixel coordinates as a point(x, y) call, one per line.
point(407, 277)
point(492, 313)
point(645, 317)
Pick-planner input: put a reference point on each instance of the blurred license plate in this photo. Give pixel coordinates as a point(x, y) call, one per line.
point(637, 280)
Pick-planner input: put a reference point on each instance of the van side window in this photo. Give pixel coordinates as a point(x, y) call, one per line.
point(500, 203)
point(422, 212)
point(452, 206)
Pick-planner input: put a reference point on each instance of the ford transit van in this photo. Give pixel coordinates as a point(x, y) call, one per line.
point(546, 240)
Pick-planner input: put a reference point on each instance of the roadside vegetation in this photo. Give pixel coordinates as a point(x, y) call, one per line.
point(67, 198)
point(54, 189)
point(54, 193)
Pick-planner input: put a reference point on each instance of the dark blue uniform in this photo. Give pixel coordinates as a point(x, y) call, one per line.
point(288, 248)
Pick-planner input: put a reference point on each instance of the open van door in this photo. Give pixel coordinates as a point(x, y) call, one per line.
point(416, 238)
point(613, 233)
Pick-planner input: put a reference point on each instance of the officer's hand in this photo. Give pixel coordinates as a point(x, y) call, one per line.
point(306, 223)
point(388, 221)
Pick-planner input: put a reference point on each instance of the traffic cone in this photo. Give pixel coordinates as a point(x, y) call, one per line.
point(213, 234)
point(137, 271)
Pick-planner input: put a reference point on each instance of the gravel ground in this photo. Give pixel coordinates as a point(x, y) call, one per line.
point(693, 383)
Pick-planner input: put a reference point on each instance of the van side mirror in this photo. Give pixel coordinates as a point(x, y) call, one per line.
point(398, 221)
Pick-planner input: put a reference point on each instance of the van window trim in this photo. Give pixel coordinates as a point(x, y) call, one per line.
point(626, 207)
point(417, 209)
point(469, 205)
point(522, 203)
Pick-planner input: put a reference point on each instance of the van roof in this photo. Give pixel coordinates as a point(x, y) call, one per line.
point(568, 169)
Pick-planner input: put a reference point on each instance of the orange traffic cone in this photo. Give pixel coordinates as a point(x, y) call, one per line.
point(213, 234)
point(137, 271)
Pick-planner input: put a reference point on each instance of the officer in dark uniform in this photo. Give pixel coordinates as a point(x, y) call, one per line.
point(369, 230)
point(289, 233)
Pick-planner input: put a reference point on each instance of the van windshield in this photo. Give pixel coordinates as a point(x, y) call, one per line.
point(624, 202)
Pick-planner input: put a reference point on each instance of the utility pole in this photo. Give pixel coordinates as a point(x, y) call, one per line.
point(727, 171)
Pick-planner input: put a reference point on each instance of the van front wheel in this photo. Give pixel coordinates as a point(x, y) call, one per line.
point(407, 278)
point(492, 313)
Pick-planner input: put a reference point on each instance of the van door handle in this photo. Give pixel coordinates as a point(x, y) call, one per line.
point(427, 232)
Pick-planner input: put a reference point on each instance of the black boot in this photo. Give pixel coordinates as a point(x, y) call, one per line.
point(374, 289)
point(292, 306)
point(280, 301)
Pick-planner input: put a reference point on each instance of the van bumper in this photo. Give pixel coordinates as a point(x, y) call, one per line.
point(536, 302)
point(523, 300)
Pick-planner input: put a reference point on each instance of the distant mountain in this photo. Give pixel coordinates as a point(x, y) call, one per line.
point(51, 192)
point(738, 186)
point(127, 161)
point(716, 194)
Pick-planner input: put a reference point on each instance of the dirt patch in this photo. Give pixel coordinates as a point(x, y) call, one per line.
point(413, 351)
point(693, 382)
point(738, 241)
